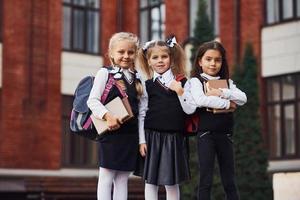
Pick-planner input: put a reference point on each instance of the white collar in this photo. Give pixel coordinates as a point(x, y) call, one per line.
point(166, 76)
point(209, 77)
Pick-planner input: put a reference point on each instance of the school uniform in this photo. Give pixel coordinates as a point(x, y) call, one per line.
point(215, 136)
point(161, 126)
point(118, 150)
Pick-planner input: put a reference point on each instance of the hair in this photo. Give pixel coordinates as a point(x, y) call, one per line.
point(121, 36)
point(211, 45)
point(130, 37)
point(176, 53)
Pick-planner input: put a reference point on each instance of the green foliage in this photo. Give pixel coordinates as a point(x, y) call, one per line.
point(203, 31)
point(250, 155)
point(189, 189)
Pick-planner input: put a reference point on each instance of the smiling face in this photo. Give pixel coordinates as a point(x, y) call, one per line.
point(123, 54)
point(211, 62)
point(159, 59)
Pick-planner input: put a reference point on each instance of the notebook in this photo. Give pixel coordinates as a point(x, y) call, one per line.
point(119, 108)
point(216, 84)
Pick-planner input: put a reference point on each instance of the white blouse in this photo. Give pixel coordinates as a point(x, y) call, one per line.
point(195, 88)
point(93, 102)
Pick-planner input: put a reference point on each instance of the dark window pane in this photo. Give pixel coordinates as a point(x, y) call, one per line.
point(81, 26)
point(289, 129)
point(274, 130)
point(92, 32)
point(152, 20)
point(79, 2)
point(288, 87)
point(78, 29)
point(66, 26)
point(273, 89)
point(76, 151)
point(298, 8)
point(272, 11)
point(287, 9)
point(93, 3)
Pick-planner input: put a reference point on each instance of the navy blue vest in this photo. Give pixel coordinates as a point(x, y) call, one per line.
point(131, 126)
point(221, 122)
point(164, 113)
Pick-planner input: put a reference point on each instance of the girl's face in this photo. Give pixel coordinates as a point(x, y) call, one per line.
point(159, 59)
point(211, 62)
point(123, 54)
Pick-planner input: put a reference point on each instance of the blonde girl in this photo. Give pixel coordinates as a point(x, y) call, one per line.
point(161, 118)
point(118, 149)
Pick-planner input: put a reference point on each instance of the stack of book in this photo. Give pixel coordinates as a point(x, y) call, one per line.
point(217, 84)
point(120, 108)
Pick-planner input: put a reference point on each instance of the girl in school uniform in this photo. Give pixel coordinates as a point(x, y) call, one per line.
point(215, 130)
point(118, 149)
point(161, 119)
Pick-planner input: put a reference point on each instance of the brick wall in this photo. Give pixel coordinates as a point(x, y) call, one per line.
point(240, 23)
point(177, 19)
point(31, 127)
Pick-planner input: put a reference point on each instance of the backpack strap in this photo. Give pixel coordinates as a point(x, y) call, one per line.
point(110, 83)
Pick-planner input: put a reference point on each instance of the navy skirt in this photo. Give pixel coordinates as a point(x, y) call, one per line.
point(166, 162)
point(118, 150)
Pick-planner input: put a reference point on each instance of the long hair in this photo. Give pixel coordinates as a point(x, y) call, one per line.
point(176, 53)
point(114, 40)
point(212, 45)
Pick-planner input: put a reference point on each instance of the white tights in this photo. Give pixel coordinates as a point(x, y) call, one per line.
point(151, 192)
point(107, 177)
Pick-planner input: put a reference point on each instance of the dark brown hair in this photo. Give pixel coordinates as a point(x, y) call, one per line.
point(212, 45)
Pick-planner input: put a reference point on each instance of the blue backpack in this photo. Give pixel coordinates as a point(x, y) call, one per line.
point(81, 122)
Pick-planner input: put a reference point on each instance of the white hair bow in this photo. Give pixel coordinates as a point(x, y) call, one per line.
point(171, 41)
point(147, 44)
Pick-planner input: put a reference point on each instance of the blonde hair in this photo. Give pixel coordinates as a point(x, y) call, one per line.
point(176, 53)
point(130, 37)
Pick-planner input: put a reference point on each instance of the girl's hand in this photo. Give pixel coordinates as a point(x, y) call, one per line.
point(113, 123)
point(143, 149)
point(232, 105)
point(176, 86)
point(214, 92)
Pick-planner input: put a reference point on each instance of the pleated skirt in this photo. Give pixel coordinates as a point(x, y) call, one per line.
point(166, 162)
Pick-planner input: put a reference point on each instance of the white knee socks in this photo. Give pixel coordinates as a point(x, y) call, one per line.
point(151, 192)
point(173, 192)
point(106, 178)
point(121, 185)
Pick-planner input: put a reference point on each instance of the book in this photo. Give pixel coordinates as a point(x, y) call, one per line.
point(217, 84)
point(119, 108)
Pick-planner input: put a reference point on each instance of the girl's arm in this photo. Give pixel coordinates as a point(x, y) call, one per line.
point(234, 94)
point(143, 107)
point(201, 100)
point(94, 100)
point(184, 96)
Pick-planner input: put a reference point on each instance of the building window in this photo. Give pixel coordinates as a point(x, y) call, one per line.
point(283, 104)
point(282, 10)
point(152, 20)
point(212, 9)
point(76, 151)
point(81, 26)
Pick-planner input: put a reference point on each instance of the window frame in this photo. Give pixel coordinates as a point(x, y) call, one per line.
point(282, 103)
point(85, 9)
point(148, 8)
point(295, 14)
